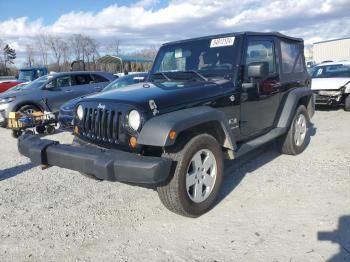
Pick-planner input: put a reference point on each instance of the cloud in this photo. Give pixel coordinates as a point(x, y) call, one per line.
point(142, 24)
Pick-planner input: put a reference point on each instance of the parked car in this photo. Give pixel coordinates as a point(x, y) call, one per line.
point(207, 99)
point(65, 116)
point(55, 88)
point(331, 84)
point(25, 76)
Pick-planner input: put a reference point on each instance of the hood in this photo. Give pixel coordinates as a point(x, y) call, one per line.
point(14, 92)
point(329, 83)
point(165, 95)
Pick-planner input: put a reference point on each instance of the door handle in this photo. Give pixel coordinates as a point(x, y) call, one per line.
point(69, 91)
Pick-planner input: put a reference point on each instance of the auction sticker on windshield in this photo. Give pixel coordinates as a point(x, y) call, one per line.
point(218, 42)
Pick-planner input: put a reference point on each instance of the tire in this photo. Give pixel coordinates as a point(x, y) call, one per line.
point(296, 140)
point(179, 194)
point(29, 109)
point(347, 103)
point(29, 132)
point(16, 133)
point(40, 129)
point(50, 130)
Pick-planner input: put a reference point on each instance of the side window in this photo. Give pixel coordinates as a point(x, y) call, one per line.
point(261, 51)
point(99, 79)
point(291, 58)
point(83, 79)
point(62, 81)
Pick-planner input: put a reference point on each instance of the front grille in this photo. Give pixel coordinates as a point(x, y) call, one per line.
point(101, 125)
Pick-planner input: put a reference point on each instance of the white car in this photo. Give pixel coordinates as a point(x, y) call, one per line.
point(331, 84)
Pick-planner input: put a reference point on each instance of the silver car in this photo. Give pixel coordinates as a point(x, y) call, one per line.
point(49, 92)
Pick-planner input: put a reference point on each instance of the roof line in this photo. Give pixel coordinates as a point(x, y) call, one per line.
point(236, 34)
point(331, 40)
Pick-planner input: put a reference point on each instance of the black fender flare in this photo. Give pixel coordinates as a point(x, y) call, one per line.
point(155, 132)
point(291, 103)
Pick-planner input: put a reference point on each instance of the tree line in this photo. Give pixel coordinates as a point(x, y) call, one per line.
point(58, 52)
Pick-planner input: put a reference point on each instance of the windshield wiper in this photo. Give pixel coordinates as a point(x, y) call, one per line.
point(163, 75)
point(198, 74)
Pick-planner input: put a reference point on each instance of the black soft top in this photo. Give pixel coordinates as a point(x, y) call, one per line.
point(247, 33)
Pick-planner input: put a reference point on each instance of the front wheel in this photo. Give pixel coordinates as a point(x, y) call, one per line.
point(298, 135)
point(196, 180)
point(29, 109)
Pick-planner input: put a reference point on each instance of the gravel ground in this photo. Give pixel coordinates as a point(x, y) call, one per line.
point(272, 208)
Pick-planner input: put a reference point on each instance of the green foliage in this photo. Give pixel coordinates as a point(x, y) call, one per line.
point(9, 54)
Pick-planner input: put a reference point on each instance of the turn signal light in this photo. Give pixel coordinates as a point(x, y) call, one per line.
point(76, 130)
point(133, 142)
point(172, 134)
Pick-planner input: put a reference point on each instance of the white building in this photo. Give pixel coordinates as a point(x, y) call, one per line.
point(332, 50)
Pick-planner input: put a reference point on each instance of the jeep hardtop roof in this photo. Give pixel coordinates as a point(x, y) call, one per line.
point(277, 34)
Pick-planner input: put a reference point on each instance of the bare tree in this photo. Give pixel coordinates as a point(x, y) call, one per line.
point(43, 48)
point(84, 48)
point(2, 62)
point(150, 52)
point(114, 47)
point(30, 54)
point(58, 47)
point(66, 52)
point(76, 45)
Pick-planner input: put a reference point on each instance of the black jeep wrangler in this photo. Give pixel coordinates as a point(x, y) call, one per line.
point(206, 99)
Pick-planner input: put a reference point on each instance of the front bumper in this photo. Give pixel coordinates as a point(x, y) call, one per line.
point(328, 97)
point(112, 165)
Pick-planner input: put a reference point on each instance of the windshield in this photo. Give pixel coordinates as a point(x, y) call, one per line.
point(329, 71)
point(36, 84)
point(208, 57)
point(25, 75)
point(124, 81)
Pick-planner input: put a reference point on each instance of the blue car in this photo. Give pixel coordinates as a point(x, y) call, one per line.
point(65, 116)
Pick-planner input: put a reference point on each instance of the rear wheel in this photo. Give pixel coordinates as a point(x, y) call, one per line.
point(298, 135)
point(347, 103)
point(197, 176)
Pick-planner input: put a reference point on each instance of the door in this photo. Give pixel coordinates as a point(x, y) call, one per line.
point(259, 105)
point(83, 84)
point(60, 91)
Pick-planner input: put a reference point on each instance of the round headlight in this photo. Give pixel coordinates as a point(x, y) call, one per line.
point(80, 112)
point(134, 120)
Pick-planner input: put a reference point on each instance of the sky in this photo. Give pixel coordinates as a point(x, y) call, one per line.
point(144, 23)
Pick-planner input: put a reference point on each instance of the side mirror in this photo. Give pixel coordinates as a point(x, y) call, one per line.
point(49, 86)
point(258, 70)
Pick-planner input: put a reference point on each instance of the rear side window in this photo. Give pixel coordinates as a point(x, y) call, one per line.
point(99, 79)
point(292, 59)
point(261, 51)
point(83, 79)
